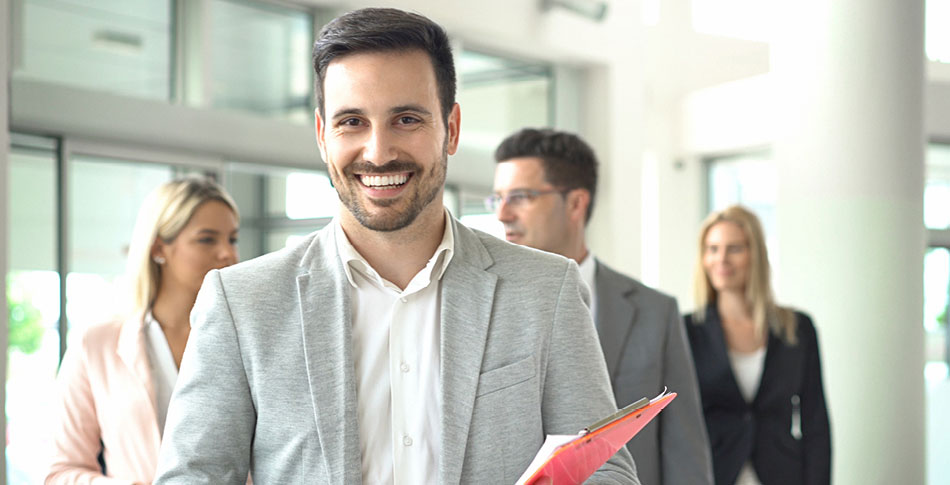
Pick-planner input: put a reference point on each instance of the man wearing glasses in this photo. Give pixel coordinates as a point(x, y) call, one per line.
point(545, 183)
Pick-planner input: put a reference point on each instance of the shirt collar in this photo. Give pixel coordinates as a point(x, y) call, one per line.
point(588, 267)
point(353, 260)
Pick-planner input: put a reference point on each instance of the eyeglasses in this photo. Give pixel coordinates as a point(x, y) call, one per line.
point(517, 198)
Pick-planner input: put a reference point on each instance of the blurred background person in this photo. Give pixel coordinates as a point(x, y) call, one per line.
point(758, 363)
point(545, 183)
point(117, 378)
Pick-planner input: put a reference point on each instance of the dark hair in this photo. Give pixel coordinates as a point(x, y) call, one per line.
point(569, 163)
point(385, 29)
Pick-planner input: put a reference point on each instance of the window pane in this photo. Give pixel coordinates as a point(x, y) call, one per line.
point(118, 46)
point(750, 180)
point(260, 59)
point(937, 190)
point(33, 306)
point(279, 205)
point(104, 199)
point(500, 96)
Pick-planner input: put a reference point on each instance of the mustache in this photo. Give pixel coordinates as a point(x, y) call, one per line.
point(388, 167)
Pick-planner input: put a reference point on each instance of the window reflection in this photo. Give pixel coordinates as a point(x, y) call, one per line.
point(260, 59)
point(117, 46)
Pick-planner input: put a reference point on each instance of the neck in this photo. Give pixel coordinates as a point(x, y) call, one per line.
point(732, 305)
point(172, 307)
point(574, 245)
point(579, 254)
point(398, 255)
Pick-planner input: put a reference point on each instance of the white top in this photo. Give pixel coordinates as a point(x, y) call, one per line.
point(747, 367)
point(396, 343)
point(588, 267)
point(164, 370)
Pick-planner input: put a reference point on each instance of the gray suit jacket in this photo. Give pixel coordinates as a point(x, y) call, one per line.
point(646, 349)
point(267, 380)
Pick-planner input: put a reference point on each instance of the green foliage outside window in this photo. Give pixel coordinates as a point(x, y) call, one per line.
point(26, 331)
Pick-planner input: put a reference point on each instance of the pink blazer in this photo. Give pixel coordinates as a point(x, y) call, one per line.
point(106, 393)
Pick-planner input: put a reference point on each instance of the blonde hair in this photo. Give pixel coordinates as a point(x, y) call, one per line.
point(165, 212)
point(758, 289)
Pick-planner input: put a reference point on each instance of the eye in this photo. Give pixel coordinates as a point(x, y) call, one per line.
point(233, 240)
point(349, 122)
point(408, 120)
point(206, 240)
point(518, 198)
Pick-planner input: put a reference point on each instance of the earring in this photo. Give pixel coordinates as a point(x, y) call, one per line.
point(158, 259)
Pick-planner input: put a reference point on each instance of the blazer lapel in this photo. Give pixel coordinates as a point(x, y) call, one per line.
point(467, 297)
point(616, 314)
point(728, 385)
point(325, 322)
point(131, 349)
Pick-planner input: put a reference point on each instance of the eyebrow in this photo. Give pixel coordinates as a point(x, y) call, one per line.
point(414, 108)
point(214, 232)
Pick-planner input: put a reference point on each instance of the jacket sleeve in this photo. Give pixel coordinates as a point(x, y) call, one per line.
point(816, 429)
point(685, 455)
point(211, 417)
point(577, 389)
point(76, 433)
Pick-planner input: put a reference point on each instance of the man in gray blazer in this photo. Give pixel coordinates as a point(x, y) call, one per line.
point(545, 182)
point(395, 345)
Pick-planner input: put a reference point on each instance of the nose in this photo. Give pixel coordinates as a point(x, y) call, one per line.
point(228, 254)
point(379, 148)
point(504, 212)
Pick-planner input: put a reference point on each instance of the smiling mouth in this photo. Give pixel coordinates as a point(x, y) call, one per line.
point(383, 182)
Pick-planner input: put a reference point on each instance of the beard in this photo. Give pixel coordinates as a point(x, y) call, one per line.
point(426, 185)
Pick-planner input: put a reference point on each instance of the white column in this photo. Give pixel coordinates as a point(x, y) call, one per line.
point(613, 125)
point(850, 150)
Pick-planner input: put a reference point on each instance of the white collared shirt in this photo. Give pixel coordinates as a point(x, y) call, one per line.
point(588, 267)
point(164, 370)
point(396, 350)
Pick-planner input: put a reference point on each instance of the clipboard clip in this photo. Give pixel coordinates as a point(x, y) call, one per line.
point(630, 409)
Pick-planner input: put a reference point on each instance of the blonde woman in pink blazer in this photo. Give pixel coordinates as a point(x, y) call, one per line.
point(115, 381)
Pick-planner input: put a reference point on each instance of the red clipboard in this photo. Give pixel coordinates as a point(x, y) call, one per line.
point(570, 459)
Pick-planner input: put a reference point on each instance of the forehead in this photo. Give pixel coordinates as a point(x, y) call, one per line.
point(212, 213)
point(368, 79)
point(519, 173)
point(725, 232)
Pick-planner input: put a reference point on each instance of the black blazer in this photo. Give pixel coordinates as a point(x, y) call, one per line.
point(785, 429)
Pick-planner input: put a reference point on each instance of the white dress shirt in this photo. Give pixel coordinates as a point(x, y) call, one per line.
point(588, 268)
point(396, 349)
point(164, 370)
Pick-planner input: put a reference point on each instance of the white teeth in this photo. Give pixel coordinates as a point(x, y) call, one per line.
point(383, 180)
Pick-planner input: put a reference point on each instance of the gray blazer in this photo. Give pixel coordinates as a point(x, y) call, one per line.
point(267, 380)
point(645, 345)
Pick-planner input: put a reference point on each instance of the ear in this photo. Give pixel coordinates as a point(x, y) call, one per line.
point(158, 249)
point(454, 121)
point(578, 200)
point(320, 132)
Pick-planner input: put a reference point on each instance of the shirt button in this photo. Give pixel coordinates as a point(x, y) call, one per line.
point(404, 367)
point(406, 440)
point(403, 299)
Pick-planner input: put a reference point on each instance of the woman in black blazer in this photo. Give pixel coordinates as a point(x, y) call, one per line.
point(758, 364)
